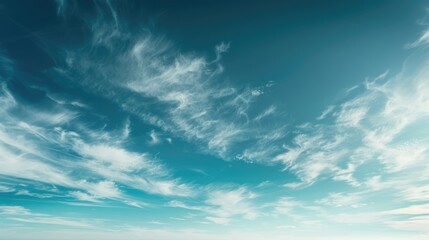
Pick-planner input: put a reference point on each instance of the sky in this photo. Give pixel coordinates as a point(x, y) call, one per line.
point(301, 120)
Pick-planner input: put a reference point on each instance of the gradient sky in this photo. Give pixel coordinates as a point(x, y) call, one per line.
point(214, 120)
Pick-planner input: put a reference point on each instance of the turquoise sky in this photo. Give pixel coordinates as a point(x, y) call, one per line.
point(214, 120)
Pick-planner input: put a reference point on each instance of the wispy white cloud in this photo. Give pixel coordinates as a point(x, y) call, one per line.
point(103, 189)
point(413, 218)
point(416, 193)
point(154, 138)
point(269, 111)
point(181, 94)
point(61, 5)
point(81, 196)
point(14, 210)
point(41, 148)
point(118, 159)
point(25, 192)
point(419, 209)
point(6, 99)
point(326, 112)
point(223, 205)
point(21, 214)
point(220, 49)
point(422, 41)
point(127, 129)
point(342, 200)
point(218, 220)
point(5, 189)
point(61, 101)
point(375, 142)
point(127, 168)
point(52, 221)
point(228, 203)
point(379, 123)
point(417, 223)
point(22, 167)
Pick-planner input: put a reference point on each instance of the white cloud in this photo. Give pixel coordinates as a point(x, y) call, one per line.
point(180, 94)
point(219, 220)
point(154, 138)
point(414, 218)
point(118, 159)
point(326, 112)
point(417, 223)
point(351, 116)
point(411, 210)
point(52, 221)
point(84, 196)
point(342, 200)
point(220, 49)
point(14, 210)
point(19, 166)
point(21, 214)
point(257, 92)
point(127, 129)
point(60, 101)
point(222, 205)
point(416, 193)
point(228, 203)
point(5, 189)
point(103, 189)
point(131, 169)
point(34, 149)
point(61, 5)
point(383, 122)
point(423, 40)
point(25, 192)
point(269, 111)
point(286, 205)
point(6, 98)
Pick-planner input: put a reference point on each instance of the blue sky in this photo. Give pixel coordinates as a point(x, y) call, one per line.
point(214, 120)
